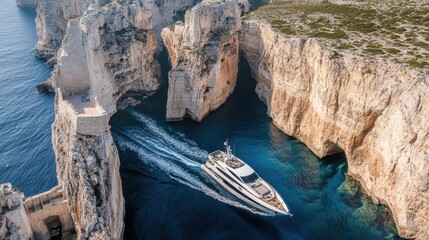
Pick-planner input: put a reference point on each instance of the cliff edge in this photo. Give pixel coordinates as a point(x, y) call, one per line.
point(375, 111)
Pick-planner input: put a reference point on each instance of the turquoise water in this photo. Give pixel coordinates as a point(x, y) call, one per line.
point(167, 195)
point(26, 156)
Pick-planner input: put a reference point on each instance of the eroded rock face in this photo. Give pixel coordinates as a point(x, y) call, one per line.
point(88, 169)
point(116, 45)
point(53, 16)
point(120, 44)
point(51, 23)
point(204, 55)
point(376, 112)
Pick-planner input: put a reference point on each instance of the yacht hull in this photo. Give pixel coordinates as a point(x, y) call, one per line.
point(235, 190)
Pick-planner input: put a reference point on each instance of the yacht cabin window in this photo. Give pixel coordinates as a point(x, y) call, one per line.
point(250, 178)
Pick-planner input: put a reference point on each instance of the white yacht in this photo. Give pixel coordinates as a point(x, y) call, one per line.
point(243, 182)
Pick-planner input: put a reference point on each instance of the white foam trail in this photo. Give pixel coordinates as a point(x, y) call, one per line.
point(179, 174)
point(182, 145)
point(138, 136)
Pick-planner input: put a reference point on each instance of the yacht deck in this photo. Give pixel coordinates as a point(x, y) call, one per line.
point(267, 195)
point(221, 156)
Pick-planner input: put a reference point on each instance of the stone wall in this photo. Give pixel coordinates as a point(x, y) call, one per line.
point(25, 218)
point(49, 204)
point(88, 166)
point(14, 222)
point(71, 73)
point(94, 123)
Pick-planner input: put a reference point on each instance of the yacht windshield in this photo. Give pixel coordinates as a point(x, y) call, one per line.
point(250, 178)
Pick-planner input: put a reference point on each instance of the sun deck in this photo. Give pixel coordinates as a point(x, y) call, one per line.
point(221, 156)
point(217, 156)
point(262, 189)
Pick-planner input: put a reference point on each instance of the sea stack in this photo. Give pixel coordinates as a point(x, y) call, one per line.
point(204, 55)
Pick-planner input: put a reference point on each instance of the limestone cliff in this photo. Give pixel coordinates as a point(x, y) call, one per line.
point(204, 55)
point(51, 23)
point(88, 168)
point(53, 16)
point(376, 112)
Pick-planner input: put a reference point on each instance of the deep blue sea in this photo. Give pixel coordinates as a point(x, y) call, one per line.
point(26, 156)
point(167, 195)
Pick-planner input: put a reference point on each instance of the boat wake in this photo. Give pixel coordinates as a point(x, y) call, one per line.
point(172, 153)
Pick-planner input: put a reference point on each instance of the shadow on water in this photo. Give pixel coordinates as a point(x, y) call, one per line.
point(168, 196)
point(257, 4)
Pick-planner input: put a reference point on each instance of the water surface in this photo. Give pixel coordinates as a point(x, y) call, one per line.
point(26, 155)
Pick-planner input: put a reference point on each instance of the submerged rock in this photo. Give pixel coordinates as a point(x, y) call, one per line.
point(45, 87)
point(27, 3)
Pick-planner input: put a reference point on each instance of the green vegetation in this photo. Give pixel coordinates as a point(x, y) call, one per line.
point(287, 30)
point(417, 64)
point(344, 46)
point(337, 34)
point(278, 22)
point(393, 50)
point(335, 54)
point(374, 51)
point(422, 45)
point(392, 29)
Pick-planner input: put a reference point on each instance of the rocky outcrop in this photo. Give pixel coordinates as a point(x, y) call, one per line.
point(204, 55)
point(27, 3)
point(53, 16)
point(120, 53)
point(14, 222)
point(45, 87)
point(117, 42)
point(51, 23)
point(376, 112)
point(88, 169)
